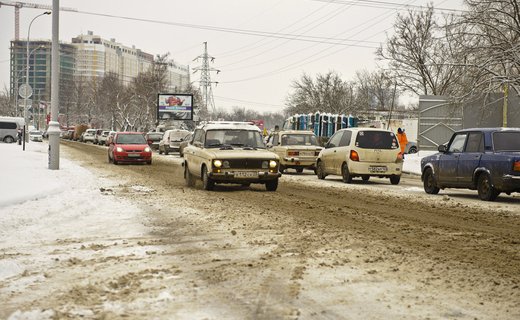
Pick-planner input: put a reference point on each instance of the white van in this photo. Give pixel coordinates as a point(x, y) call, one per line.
point(9, 128)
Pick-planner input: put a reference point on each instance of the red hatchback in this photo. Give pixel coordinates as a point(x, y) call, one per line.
point(129, 147)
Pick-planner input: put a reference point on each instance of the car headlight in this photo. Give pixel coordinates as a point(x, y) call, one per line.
point(273, 164)
point(217, 163)
point(147, 149)
point(119, 149)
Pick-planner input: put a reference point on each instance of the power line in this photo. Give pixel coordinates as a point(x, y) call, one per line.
point(314, 39)
point(386, 5)
point(252, 102)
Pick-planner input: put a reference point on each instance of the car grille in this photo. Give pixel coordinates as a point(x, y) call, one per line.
point(128, 151)
point(245, 163)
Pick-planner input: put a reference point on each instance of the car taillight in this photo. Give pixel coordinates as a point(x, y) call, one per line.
point(399, 157)
point(516, 165)
point(293, 153)
point(354, 156)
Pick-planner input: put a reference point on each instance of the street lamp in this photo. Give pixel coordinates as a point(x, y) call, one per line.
point(26, 138)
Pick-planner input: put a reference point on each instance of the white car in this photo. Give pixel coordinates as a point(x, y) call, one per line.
point(89, 135)
point(361, 152)
point(171, 140)
point(35, 135)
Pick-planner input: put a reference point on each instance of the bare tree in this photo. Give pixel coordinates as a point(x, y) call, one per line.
point(6, 103)
point(328, 93)
point(375, 90)
point(417, 54)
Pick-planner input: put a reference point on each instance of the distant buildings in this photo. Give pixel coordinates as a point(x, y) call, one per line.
point(88, 56)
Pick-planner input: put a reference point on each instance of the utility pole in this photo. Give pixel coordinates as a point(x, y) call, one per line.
point(205, 83)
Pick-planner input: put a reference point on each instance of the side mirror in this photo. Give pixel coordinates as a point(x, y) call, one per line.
point(442, 148)
point(197, 144)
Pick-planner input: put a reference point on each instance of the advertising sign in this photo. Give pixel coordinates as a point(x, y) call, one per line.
point(175, 106)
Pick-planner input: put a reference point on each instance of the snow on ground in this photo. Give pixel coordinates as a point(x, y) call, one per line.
point(39, 206)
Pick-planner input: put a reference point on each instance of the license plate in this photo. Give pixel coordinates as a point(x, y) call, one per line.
point(306, 153)
point(377, 169)
point(246, 174)
point(134, 155)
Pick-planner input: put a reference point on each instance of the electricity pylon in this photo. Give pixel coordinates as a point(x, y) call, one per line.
point(205, 83)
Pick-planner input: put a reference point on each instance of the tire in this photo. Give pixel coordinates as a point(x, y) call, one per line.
point(271, 185)
point(485, 188)
point(395, 179)
point(115, 162)
point(429, 182)
point(188, 177)
point(149, 162)
point(207, 183)
point(412, 150)
point(365, 177)
point(345, 174)
point(8, 139)
point(320, 171)
point(299, 170)
point(160, 152)
point(165, 152)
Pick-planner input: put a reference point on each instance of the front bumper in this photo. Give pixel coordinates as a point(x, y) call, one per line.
point(510, 183)
point(133, 157)
point(244, 176)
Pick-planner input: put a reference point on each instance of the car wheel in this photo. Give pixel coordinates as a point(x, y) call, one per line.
point(188, 177)
point(395, 179)
point(181, 154)
point(429, 183)
point(160, 151)
point(165, 152)
point(345, 174)
point(149, 162)
point(412, 150)
point(299, 170)
point(8, 139)
point(486, 191)
point(271, 185)
point(320, 171)
point(207, 183)
point(365, 177)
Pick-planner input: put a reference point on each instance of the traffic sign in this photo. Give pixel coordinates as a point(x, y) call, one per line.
point(25, 91)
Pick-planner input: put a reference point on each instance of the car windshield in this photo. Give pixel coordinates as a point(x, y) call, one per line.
point(234, 138)
point(35, 132)
point(376, 140)
point(130, 139)
point(506, 141)
point(299, 140)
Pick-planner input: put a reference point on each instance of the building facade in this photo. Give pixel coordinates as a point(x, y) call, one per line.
point(39, 69)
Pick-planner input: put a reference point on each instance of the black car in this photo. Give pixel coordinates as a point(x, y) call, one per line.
point(483, 159)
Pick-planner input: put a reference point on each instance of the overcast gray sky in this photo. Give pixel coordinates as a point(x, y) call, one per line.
point(267, 43)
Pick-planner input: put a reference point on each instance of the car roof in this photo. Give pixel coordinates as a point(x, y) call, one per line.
point(230, 125)
point(489, 129)
point(129, 132)
point(357, 129)
point(296, 132)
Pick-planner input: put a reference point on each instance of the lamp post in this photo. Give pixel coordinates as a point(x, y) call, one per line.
point(26, 138)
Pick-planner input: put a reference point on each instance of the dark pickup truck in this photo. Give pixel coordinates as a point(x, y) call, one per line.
point(483, 159)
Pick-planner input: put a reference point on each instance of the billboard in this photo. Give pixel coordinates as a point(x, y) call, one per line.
point(174, 106)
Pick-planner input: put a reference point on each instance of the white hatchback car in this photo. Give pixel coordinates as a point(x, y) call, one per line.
point(361, 152)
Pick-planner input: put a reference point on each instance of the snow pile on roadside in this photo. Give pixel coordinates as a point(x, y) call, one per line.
point(38, 206)
point(412, 162)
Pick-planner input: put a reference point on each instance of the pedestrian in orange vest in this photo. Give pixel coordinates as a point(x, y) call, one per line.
point(403, 140)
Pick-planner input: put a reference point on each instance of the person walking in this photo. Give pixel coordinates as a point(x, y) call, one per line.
point(403, 140)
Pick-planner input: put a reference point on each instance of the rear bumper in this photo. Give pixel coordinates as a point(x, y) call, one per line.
point(375, 169)
point(298, 162)
point(510, 183)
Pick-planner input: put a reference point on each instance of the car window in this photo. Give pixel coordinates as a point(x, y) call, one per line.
point(275, 139)
point(372, 139)
point(475, 142)
point(130, 139)
point(506, 141)
point(197, 136)
point(345, 139)
point(299, 140)
point(457, 144)
point(335, 140)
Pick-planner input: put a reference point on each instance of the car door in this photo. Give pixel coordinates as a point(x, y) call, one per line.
point(342, 151)
point(470, 158)
point(448, 161)
point(330, 152)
